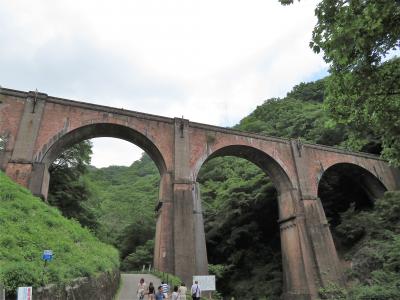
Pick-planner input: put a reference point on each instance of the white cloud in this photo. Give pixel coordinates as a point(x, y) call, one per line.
point(110, 151)
point(211, 61)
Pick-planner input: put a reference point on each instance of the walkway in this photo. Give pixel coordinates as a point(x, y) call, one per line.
point(129, 283)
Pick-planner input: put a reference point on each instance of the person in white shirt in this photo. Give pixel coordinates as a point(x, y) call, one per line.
point(165, 289)
point(175, 295)
point(182, 291)
point(196, 291)
point(141, 289)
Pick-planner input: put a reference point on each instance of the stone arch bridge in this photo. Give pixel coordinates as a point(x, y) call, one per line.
point(36, 128)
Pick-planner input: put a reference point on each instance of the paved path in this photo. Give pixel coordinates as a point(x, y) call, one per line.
point(130, 282)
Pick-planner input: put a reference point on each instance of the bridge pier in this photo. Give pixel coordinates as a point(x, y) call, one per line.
point(34, 176)
point(190, 255)
point(163, 243)
point(325, 261)
point(19, 171)
point(297, 262)
point(40, 179)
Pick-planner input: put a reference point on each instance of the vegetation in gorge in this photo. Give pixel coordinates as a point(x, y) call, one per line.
point(124, 199)
point(372, 240)
point(242, 234)
point(29, 226)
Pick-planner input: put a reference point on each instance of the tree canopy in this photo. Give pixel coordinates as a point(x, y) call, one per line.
point(360, 40)
point(68, 191)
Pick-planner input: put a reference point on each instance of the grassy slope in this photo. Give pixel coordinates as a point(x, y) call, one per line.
point(29, 226)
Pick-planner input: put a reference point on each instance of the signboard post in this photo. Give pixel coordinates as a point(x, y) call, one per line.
point(206, 283)
point(25, 293)
point(47, 256)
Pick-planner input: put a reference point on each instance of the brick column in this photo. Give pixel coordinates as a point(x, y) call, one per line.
point(39, 182)
point(19, 167)
point(189, 240)
point(200, 237)
point(298, 274)
point(326, 261)
point(164, 240)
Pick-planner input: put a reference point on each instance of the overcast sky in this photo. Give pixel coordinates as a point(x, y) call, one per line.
point(210, 61)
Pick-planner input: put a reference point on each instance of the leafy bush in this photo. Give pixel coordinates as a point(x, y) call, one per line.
point(333, 292)
point(143, 255)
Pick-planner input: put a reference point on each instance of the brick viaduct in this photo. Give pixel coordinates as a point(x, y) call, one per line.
point(37, 128)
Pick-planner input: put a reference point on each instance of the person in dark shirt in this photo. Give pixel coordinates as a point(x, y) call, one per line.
point(151, 291)
point(160, 294)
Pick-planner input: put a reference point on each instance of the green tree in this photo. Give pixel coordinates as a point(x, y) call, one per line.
point(358, 37)
point(143, 255)
point(68, 190)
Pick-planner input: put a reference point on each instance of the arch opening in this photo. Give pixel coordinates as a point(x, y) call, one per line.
point(117, 202)
point(103, 130)
point(345, 190)
point(240, 189)
point(265, 162)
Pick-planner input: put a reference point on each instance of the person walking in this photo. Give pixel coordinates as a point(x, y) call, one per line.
point(159, 295)
point(150, 291)
point(182, 291)
point(165, 289)
point(141, 289)
point(175, 295)
point(196, 291)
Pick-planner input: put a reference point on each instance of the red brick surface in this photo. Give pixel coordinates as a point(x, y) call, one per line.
point(11, 110)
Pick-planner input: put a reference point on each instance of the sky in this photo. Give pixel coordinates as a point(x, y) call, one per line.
point(210, 61)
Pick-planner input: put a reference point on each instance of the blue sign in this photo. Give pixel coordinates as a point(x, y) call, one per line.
point(47, 255)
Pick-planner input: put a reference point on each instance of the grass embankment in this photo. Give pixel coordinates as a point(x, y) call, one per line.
point(28, 226)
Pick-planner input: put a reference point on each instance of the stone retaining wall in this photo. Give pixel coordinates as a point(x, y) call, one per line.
point(102, 287)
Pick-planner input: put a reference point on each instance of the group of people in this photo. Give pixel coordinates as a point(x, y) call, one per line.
point(162, 292)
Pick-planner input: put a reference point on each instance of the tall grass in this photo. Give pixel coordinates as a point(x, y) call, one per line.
point(28, 226)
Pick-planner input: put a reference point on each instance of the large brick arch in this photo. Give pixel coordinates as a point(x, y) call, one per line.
point(295, 270)
point(58, 143)
point(370, 183)
point(318, 159)
point(274, 169)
